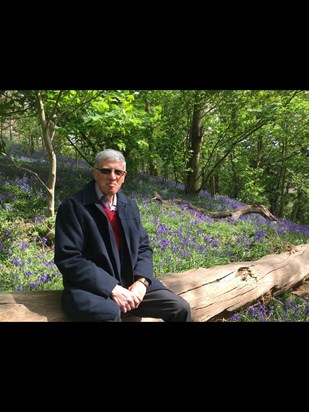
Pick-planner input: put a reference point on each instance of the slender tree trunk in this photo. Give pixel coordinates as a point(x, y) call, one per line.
point(283, 179)
point(151, 149)
point(236, 182)
point(11, 130)
point(296, 204)
point(48, 130)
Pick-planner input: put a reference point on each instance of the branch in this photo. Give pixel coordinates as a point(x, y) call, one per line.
point(14, 165)
point(235, 214)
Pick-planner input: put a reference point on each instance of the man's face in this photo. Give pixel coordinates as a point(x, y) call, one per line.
point(110, 177)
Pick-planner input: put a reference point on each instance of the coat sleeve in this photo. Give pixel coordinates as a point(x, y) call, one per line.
point(144, 263)
point(77, 267)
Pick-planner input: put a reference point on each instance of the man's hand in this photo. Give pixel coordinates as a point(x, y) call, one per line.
point(139, 289)
point(126, 298)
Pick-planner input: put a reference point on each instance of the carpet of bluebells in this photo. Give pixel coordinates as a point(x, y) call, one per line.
point(181, 237)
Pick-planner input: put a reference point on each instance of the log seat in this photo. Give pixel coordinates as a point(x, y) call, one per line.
point(40, 306)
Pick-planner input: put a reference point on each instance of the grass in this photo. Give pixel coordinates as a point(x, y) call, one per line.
point(181, 238)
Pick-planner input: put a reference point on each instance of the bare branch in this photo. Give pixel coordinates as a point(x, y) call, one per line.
point(14, 165)
point(235, 213)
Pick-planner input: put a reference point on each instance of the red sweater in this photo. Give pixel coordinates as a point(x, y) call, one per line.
point(114, 220)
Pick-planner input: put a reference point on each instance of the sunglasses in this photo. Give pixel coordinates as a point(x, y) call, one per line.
point(108, 171)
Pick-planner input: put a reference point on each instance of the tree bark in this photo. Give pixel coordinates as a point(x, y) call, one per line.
point(196, 135)
point(48, 131)
point(219, 291)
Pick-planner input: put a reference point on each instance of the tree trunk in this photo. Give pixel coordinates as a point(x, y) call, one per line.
point(48, 131)
point(219, 291)
point(213, 293)
point(192, 177)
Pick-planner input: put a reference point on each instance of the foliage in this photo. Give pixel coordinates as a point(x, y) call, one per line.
point(253, 143)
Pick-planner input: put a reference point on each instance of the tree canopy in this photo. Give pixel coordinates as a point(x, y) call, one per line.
point(251, 145)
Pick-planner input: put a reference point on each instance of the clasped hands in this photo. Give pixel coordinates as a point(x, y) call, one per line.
point(129, 299)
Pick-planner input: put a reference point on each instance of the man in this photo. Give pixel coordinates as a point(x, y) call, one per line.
point(103, 253)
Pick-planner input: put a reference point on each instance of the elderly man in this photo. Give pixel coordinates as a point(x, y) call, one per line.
point(103, 253)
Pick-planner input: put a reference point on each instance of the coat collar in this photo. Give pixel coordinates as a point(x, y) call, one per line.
point(89, 195)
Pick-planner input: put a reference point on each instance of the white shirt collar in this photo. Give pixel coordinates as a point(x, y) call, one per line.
point(103, 198)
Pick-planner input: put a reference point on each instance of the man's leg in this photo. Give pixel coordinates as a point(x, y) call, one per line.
point(164, 304)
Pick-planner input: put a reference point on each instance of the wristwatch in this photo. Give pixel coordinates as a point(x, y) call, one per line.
point(144, 281)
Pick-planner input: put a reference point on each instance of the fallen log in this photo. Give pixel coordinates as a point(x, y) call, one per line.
point(219, 291)
point(213, 293)
point(234, 213)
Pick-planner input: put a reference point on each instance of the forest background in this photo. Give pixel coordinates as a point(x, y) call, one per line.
point(248, 145)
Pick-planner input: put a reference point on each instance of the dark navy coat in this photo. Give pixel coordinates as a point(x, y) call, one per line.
point(85, 248)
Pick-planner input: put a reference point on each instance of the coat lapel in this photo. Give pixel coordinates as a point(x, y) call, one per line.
point(122, 206)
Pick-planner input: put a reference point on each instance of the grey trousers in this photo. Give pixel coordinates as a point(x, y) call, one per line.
point(161, 304)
